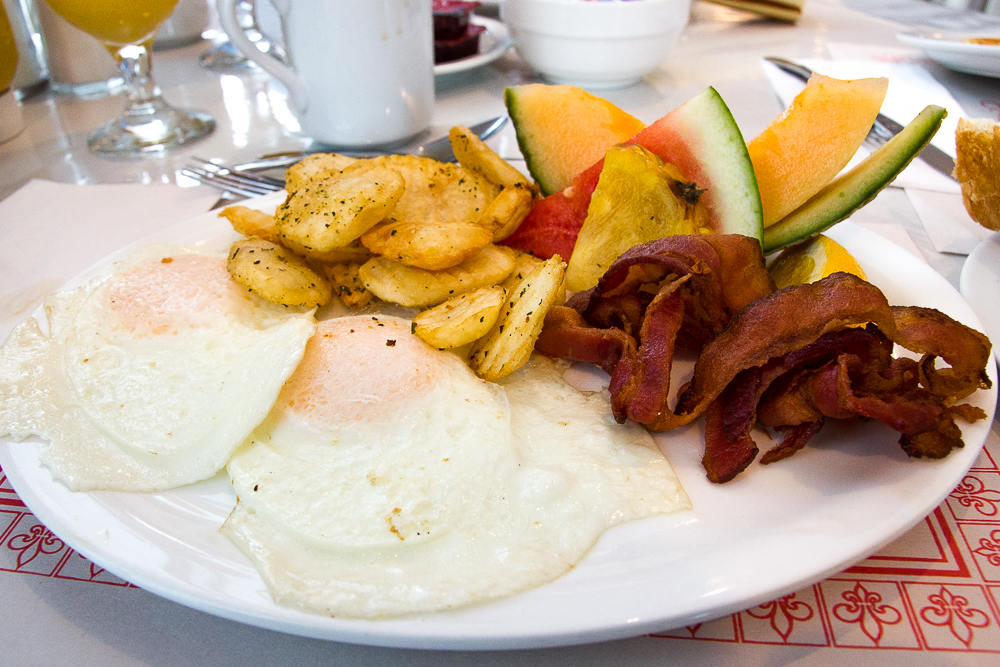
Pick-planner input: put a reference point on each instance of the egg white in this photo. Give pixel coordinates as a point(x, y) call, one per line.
point(395, 482)
point(150, 375)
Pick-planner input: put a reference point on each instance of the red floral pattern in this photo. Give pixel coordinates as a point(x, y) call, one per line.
point(782, 614)
point(989, 548)
point(973, 493)
point(953, 611)
point(36, 541)
point(867, 609)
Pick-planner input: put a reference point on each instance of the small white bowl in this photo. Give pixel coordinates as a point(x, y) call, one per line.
point(595, 45)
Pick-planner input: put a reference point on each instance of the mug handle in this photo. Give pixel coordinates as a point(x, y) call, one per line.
point(276, 68)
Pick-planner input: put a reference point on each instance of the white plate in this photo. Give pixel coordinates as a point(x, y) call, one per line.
point(949, 50)
point(771, 531)
point(980, 285)
point(492, 44)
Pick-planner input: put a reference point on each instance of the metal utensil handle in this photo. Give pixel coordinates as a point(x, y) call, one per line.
point(439, 149)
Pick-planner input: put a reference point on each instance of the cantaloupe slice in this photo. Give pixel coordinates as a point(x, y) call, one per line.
point(562, 130)
point(852, 190)
point(805, 147)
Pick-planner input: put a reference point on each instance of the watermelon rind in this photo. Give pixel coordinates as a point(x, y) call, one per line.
point(847, 193)
point(733, 197)
point(531, 158)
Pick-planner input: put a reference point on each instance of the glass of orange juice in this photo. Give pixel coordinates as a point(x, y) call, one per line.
point(11, 122)
point(126, 28)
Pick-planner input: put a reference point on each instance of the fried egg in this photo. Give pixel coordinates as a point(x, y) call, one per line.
point(149, 376)
point(389, 480)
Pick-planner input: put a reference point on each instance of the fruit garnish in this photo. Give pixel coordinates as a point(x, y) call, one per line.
point(849, 192)
point(562, 130)
point(702, 140)
point(812, 140)
point(638, 199)
point(812, 260)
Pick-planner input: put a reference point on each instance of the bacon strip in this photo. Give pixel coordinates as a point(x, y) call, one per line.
point(801, 373)
point(676, 291)
point(931, 333)
point(777, 324)
point(788, 359)
point(724, 457)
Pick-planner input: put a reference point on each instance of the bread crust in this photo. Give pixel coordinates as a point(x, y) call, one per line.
point(977, 168)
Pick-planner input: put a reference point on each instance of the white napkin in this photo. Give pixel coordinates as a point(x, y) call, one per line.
point(53, 231)
point(935, 198)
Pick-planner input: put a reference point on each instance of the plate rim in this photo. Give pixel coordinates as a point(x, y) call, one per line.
point(967, 277)
point(949, 52)
point(948, 39)
point(411, 633)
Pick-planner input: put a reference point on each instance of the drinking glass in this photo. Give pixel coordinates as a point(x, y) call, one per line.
point(126, 28)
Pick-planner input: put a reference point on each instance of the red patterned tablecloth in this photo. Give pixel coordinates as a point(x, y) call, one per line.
point(937, 588)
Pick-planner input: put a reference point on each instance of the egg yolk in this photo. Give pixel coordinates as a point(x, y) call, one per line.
point(356, 368)
point(160, 295)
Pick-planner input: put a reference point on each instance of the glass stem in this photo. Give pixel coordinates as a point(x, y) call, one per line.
point(144, 98)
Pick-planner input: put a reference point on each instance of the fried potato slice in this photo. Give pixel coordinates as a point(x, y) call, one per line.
point(409, 286)
point(276, 274)
point(524, 264)
point(250, 222)
point(332, 211)
point(347, 284)
point(352, 253)
point(438, 191)
point(462, 319)
point(473, 154)
point(507, 211)
point(303, 171)
point(433, 246)
point(511, 340)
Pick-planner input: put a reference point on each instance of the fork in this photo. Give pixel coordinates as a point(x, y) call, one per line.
point(241, 179)
point(230, 179)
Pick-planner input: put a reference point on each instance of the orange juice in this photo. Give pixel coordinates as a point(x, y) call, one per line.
point(8, 51)
point(115, 22)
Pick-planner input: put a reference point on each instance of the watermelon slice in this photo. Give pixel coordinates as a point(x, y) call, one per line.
point(700, 138)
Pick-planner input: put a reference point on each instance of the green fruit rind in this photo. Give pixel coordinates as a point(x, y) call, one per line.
point(716, 140)
point(524, 141)
point(847, 193)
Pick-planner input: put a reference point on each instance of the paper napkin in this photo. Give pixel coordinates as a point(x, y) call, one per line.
point(61, 229)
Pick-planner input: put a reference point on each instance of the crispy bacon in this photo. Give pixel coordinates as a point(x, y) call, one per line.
point(788, 360)
point(676, 291)
point(933, 334)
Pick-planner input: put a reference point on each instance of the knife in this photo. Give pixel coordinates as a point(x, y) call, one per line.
point(438, 149)
point(884, 127)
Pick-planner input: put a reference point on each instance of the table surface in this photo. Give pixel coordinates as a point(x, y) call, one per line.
point(933, 596)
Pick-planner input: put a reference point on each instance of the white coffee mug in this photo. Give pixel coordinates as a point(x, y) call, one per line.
point(361, 71)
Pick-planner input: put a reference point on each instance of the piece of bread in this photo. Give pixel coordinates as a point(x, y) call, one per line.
point(977, 168)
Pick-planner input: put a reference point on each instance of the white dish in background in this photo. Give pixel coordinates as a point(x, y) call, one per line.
point(492, 44)
point(949, 50)
point(980, 285)
point(771, 531)
point(595, 45)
